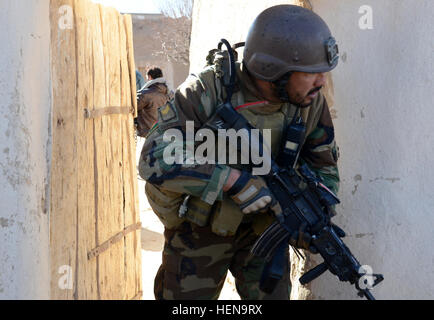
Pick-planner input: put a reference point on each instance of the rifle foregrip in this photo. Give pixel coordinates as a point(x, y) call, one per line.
point(313, 273)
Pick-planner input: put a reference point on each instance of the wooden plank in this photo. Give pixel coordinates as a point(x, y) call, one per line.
point(63, 201)
point(130, 158)
point(110, 217)
point(132, 251)
point(99, 100)
point(86, 15)
point(131, 62)
point(125, 93)
point(138, 296)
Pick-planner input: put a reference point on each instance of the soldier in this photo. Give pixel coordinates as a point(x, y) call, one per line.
point(287, 53)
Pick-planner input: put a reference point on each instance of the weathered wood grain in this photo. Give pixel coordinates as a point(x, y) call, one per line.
point(132, 147)
point(110, 215)
point(131, 62)
point(86, 270)
point(131, 210)
point(64, 187)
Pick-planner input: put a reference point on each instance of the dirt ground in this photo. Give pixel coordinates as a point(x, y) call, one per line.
point(152, 245)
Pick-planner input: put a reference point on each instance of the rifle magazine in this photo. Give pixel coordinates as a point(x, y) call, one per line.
point(268, 242)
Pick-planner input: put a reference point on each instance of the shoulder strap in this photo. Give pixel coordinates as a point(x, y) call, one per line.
point(290, 112)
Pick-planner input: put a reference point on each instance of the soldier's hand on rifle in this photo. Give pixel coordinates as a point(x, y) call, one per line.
point(251, 193)
point(302, 239)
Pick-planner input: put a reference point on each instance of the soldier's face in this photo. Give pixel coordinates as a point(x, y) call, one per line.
point(303, 87)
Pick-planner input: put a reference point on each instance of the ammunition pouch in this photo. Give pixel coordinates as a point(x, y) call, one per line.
point(227, 218)
point(198, 212)
point(165, 204)
point(224, 216)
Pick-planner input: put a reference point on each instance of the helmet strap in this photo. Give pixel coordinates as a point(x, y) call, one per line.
point(281, 86)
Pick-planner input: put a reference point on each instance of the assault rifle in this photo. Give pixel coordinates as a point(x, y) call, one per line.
point(305, 201)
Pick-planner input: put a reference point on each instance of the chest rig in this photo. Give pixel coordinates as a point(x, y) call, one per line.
point(287, 137)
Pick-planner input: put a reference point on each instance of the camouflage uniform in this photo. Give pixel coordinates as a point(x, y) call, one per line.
point(215, 236)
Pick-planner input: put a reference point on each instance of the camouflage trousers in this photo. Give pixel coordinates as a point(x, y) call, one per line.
point(196, 262)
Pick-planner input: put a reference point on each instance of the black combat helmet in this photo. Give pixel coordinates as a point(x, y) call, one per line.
point(288, 38)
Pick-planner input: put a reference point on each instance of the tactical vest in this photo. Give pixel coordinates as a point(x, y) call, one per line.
point(224, 216)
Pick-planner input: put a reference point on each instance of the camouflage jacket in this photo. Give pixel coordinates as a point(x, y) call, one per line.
point(196, 100)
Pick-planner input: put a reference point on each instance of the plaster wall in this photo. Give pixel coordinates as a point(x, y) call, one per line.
point(384, 119)
point(25, 121)
point(380, 99)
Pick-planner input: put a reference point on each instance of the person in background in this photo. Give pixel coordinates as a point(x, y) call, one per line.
point(150, 97)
